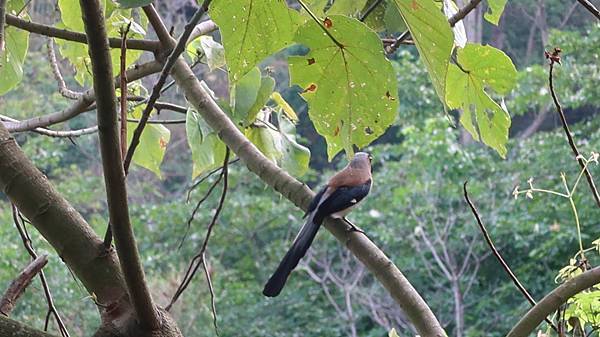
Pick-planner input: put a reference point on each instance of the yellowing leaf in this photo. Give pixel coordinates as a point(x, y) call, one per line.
point(348, 83)
point(495, 9)
point(252, 30)
point(285, 107)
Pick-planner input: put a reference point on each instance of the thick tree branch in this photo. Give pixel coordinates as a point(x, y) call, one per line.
point(551, 302)
point(81, 104)
point(12, 328)
point(20, 283)
point(59, 223)
point(114, 176)
point(64, 34)
point(370, 255)
point(590, 7)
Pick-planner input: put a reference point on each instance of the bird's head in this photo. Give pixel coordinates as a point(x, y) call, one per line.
point(361, 160)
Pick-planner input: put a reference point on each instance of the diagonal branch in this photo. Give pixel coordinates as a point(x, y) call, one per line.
point(366, 251)
point(81, 104)
point(156, 90)
point(499, 257)
point(20, 283)
point(551, 302)
point(563, 120)
point(12, 328)
point(590, 7)
point(114, 175)
point(64, 34)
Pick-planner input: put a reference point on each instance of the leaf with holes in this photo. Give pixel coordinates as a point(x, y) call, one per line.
point(208, 151)
point(482, 67)
point(252, 30)
point(433, 37)
point(15, 50)
point(153, 143)
point(495, 10)
point(348, 83)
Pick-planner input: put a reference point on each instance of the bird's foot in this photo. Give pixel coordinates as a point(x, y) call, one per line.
point(353, 227)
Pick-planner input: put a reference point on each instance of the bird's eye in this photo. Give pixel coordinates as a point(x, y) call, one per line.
point(370, 158)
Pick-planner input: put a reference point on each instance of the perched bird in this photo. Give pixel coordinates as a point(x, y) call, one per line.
point(342, 193)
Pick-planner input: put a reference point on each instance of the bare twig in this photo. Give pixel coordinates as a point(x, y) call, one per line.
point(29, 247)
point(114, 175)
point(179, 48)
point(590, 7)
point(208, 175)
point(53, 133)
point(554, 57)
point(499, 257)
point(199, 259)
point(551, 302)
point(20, 283)
point(123, 98)
point(12, 20)
point(62, 86)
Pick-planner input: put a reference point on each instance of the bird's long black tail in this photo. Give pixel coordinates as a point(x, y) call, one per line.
point(292, 257)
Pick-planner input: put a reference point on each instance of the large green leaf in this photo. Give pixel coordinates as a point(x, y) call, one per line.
point(351, 88)
point(153, 143)
point(433, 37)
point(252, 30)
point(482, 67)
point(208, 151)
point(16, 42)
point(244, 94)
point(495, 10)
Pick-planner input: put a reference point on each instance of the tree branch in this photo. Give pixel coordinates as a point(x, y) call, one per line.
point(81, 104)
point(20, 283)
point(370, 255)
point(590, 7)
point(499, 257)
point(12, 328)
point(551, 302)
point(114, 175)
point(53, 133)
point(2, 22)
point(555, 58)
point(64, 34)
point(59, 223)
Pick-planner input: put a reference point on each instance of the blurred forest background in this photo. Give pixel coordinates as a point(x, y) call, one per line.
point(416, 211)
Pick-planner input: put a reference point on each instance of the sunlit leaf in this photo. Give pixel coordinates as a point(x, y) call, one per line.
point(284, 106)
point(153, 143)
point(16, 42)
point(208, 151)
point(482, 67)
point(495, 10)
point(393, 20)
point(252, 30)
point(346, 7)
point(433, 37)
point(350, 86)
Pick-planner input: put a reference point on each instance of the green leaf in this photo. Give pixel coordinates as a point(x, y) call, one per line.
point(208, 151)
point(244, 94)
point(351, 89)
point(133, 3)
point(208, 51)
point(266, 140)
point(484, 67)
point(346, 7)
point(393, 20)
point(433, 37)
point(267, 84)
point(376, 19)
point(252, 30)
point(284, 106)
point(13, 57)
point(153, 143)
point(495, 10)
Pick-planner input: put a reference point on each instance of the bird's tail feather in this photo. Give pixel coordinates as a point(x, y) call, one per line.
point(292, 257)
